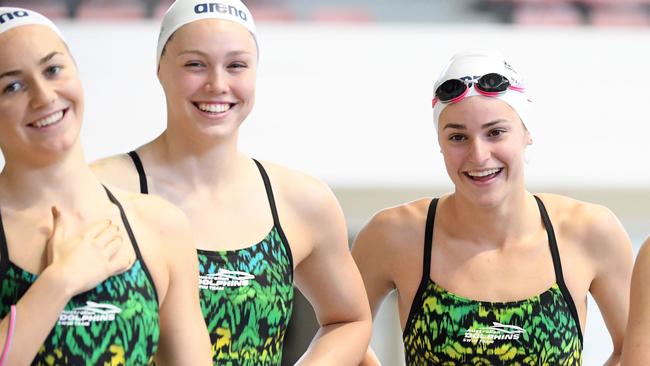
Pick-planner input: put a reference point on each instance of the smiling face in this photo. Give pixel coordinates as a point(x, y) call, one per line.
point(483, 141)
point(41, 99)
point(208, 73)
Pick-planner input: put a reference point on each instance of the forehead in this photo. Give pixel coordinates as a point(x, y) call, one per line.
point(478, 110)
point(207, 33)
point(21, 43)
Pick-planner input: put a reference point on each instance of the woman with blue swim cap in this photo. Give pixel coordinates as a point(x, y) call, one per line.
point(89, 275)
point(260, 227)
point(492, 274)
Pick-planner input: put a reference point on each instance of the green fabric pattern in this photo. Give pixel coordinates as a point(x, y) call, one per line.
point(451, 330)
point(247, 298)
point(115, 324)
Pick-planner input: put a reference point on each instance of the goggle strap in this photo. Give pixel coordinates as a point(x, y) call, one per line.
point(517, 88)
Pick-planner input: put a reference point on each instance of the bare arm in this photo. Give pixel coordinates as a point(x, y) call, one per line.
point(330, 280)
point(29, 335)
point(610, 287)
point(369, 254)
point(636, 349)
point(96, 253)
point(184, 337)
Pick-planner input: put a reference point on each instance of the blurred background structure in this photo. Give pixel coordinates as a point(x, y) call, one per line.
point(345, 87)
point(546, 12)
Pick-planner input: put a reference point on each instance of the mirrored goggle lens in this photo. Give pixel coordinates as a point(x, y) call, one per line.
point(450, 89)
point(493, 83)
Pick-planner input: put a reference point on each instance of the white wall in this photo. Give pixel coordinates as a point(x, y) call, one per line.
point(351, 105)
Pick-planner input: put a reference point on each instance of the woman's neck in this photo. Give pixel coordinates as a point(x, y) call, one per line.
point(506, 223)
point(66, 182)
point(199, 163)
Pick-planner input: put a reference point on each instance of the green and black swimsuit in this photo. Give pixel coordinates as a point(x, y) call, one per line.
point(116, 323)
point(447, 329)
point(246, 294)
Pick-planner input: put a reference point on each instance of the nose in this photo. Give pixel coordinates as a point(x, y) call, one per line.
point(479, 152)
point(42, 93)
point(216, 82)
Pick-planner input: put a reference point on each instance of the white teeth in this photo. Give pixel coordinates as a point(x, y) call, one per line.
point(483, 173)
point(56, 117)
point(214, 108)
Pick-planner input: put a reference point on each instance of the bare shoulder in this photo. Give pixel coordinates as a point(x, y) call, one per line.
point(163, 222)
point(164, 238)
point(303, 193)
point(390, 244)
point(579, 217)
point(397, 229)
point(118, 171)
point(592, 225)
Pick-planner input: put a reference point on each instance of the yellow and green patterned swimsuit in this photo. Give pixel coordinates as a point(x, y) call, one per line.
point(114, 324)
point(247, 294)
point(446, 329)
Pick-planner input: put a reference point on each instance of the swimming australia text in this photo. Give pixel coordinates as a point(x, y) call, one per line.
point(5, 17)
point(91, 313)
point(220, 8)
point(224, 278)
point(496, 332)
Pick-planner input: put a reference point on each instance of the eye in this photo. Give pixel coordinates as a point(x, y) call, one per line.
point(194, 64)
point(12, 88)
point(53, 70)
point(496, 132)
point(457, 137)
point(238, 66)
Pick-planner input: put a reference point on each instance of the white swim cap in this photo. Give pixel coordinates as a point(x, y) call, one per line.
point(14, 17)
point(182, 12)
point(470, 65)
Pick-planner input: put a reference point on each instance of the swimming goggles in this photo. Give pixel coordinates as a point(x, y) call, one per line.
point(490, 85)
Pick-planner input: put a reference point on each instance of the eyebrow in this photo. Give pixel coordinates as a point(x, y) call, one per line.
point(40, 62)
point(10, 73)
point(486, 125)
point(231, 53)
point(49, 57)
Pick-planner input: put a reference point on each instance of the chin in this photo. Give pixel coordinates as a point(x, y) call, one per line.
point(218, 131)
point(485, 199)
point(63, 145)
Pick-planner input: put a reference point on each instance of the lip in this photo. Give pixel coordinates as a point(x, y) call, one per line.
point(484, 181)
point(214, 115)
point(51, 126)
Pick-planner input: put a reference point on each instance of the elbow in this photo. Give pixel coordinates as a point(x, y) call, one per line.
point(616, 357)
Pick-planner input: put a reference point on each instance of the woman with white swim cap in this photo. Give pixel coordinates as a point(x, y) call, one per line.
point(89, 275)
point(258, 225)
point(492, 274)
point(636, 349)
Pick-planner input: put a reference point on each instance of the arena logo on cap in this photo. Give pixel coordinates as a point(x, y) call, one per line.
point(508, 66)
point(220, 8)
point(5, 17)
